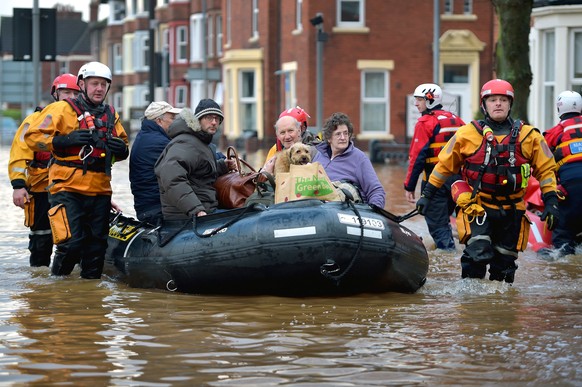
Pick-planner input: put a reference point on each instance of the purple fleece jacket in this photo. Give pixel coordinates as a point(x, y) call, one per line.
point(354, 166)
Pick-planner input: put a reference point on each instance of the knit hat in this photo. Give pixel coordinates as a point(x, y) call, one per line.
point(157, 109)
point(208, 106)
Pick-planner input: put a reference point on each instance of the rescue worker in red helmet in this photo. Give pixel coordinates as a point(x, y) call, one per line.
point(495, 157)
point(306, 136)
point(85, 137)
point(565, 140)
point(28, 172)
point(434, 128)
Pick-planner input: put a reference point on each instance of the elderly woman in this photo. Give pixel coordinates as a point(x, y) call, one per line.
point(344, 162)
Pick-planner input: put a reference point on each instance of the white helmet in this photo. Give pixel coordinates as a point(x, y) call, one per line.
point(569, 102)
point(94, 69)
point(432, 93)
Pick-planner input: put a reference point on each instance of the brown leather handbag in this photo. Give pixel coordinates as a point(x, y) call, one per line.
point(234, 187)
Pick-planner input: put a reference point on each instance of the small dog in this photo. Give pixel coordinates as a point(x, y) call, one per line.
point(298, 154)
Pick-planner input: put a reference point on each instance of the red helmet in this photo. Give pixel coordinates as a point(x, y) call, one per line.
point(496, 87)
point(64, 81)
point(298, 113)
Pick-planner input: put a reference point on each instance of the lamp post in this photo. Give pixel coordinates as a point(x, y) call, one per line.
point(321, 38)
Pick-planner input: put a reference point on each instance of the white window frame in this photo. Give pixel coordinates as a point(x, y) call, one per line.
point(117, 11)
point(228, 23)
point(180, 96)
point(209, 36)
point(219, 36)
point(385, 100)
point(246, 100)
point(449, 7)
point(196, 91)
point(118, 100)
point(548, 78)
point(141, 51)
point(196, 38)
point(181, 44)
point(468, 7)
point(255, 20)
point(117, 58)
point(299, 15)
point(351, 24)
point(576, 59)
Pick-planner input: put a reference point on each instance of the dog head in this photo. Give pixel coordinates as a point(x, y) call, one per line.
point(299, 154)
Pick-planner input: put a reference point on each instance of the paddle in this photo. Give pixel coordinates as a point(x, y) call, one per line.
point(391, 216)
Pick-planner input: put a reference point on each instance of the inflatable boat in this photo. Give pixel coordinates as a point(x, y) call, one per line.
point(298, 248)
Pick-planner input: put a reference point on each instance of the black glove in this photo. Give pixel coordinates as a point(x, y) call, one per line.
point(75, 138)
point(425, 197)
point(551, 213)
point(118, 148)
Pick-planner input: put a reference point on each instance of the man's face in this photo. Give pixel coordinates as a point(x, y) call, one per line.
point(165, 120)
point(497, 107)
point(95, 88)
point(210, 123)
point(420, 103)
point(66, 93)
point(288, 132)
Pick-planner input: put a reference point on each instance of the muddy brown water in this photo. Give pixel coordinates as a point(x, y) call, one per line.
point(68, 331)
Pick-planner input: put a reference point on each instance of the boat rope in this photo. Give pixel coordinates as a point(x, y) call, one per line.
point(227, 224)
point(330, 274)
point(391, 216)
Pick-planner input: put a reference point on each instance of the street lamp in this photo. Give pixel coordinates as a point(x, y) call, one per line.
point(321, 38)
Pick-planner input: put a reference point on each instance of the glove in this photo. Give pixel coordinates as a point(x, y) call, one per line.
point(75, 138)
point(425, 197)
point(551, 215)
point(118, 148)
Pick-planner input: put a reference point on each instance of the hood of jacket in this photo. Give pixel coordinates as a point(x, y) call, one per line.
point(186, 122)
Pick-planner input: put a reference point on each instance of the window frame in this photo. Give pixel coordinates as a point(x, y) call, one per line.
point(351, 24)
point(385, 101)
point(181, 44)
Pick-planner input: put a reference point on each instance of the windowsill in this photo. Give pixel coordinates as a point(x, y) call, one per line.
point(298, 31)
point(350, 30)
point(459, 17)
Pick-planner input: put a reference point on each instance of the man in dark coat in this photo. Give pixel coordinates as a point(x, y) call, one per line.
point(188, 168)
point(147, 147)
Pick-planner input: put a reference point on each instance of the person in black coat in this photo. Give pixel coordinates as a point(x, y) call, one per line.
point(147, 147)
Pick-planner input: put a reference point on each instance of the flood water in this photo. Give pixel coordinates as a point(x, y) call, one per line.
point(68, 331)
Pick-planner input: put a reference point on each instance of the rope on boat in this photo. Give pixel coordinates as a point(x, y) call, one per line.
point(330, 274)
point(227, 224)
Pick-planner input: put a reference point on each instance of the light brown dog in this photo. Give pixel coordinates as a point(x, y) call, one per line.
point(298, 154)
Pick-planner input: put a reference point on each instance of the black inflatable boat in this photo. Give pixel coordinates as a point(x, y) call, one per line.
point(298, 248)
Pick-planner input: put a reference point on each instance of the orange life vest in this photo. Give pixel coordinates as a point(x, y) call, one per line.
point(569, 147)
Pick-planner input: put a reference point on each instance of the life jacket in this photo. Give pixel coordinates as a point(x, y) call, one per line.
point(498, 169)
point(569, 148)
point(96, 156)
point(447, 126)
point(40, 160)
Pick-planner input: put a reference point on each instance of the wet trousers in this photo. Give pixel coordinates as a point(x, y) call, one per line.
point(40, 240)
point(493, 242)
point(568, 232)
point(88, 218)
point(438, 215)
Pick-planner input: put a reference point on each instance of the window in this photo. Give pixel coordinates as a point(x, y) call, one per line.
point(549, 66)
point(117, 11)
point(196, 37)
point(117, 56)
point(247, 101)
point(298, 15)
point(118, 101)
point(219, 35)
point(289, 78)
point(455, 73)
point(448, 8)
point(141, 51)
point(181, 96)
point(468, 7)
point(181, 44)
point(228, 22)
point(255, 20)
point(197, 91)
point(576, 77)
point(350, 13)
point(374, 101)
point(210, 36)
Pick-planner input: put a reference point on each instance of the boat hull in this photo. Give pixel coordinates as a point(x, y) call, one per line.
point(301, 248)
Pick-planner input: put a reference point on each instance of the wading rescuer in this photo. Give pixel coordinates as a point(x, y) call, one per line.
point(28, 172)
point(497, 156)
point(434, 128)
point(85, 138)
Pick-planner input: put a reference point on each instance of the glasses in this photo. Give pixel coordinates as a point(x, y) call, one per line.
point(212, 117)
point(345, 134)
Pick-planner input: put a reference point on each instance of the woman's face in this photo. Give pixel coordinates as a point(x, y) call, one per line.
point(340, 139)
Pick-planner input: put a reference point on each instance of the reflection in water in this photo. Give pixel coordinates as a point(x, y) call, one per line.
point(453, 331)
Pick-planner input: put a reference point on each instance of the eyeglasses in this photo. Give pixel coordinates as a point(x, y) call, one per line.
point(212, 117)
point(341, 134)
